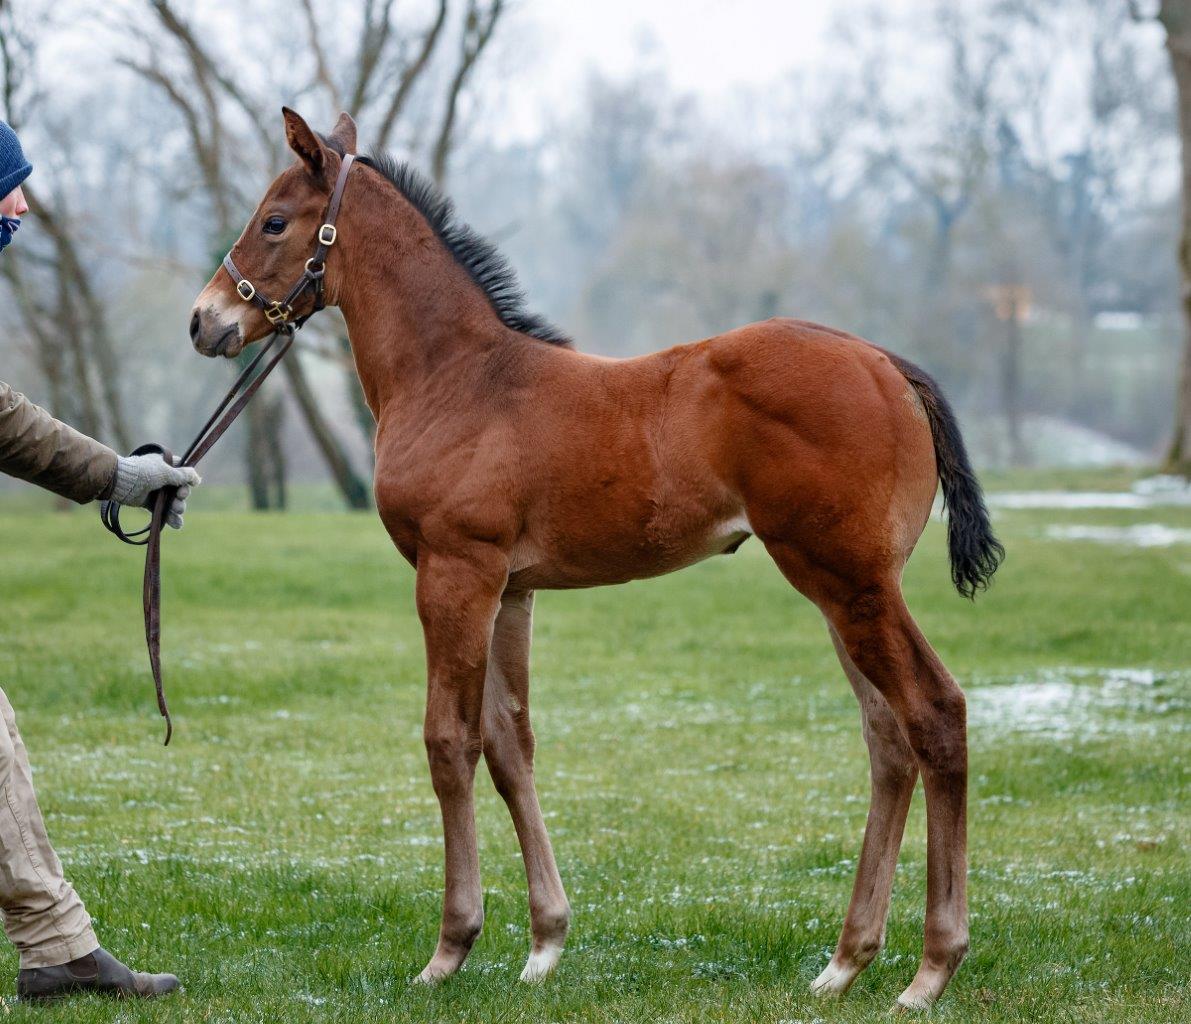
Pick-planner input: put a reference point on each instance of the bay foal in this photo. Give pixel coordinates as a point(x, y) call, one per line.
point(507, 462)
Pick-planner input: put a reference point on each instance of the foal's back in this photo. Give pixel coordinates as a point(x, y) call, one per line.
point(636, 467)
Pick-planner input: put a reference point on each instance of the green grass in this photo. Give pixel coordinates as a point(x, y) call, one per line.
point(699, 762)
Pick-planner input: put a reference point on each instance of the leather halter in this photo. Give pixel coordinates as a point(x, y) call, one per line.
point(238, 396)
point(278, 313)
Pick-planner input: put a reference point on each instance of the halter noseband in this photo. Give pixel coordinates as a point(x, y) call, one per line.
point(278, 313)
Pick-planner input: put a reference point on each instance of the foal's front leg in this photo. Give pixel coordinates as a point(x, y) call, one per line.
point(458, 596)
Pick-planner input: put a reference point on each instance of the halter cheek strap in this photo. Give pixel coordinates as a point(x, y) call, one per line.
point(279, 313)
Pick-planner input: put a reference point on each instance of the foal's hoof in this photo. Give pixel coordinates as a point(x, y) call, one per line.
point(910, 1003)
point(834, 980)
point(431, 976)
point(541, 964)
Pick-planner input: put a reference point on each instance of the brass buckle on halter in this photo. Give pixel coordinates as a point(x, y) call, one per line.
point(246, 290)
point(322, 267)
point(327, 234)
point(276, 313)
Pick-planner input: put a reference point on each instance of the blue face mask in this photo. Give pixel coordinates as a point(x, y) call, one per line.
point(8, 228)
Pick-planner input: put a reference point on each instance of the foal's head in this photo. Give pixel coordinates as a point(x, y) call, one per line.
point(279, 239)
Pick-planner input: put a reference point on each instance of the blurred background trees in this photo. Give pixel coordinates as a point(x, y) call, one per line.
point(991, 188)
point(1175, 16)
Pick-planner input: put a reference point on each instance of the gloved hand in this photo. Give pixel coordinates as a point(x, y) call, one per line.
point(138, 477)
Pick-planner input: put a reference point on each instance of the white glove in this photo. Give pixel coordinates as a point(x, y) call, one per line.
point(138, 477)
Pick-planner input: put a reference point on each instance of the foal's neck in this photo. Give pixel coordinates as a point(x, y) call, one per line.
point(412, 311)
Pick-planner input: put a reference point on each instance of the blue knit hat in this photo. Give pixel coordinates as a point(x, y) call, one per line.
point(14, 168)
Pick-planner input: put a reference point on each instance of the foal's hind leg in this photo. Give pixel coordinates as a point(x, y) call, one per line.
point(887, 646)
point(893, 773)
point(508, 749)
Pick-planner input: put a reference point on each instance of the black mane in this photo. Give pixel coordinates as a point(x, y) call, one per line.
point(486, 265)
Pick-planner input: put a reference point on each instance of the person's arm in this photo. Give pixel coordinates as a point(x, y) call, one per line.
point(38, 448)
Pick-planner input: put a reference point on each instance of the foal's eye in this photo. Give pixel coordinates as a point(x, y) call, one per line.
point(274, 225)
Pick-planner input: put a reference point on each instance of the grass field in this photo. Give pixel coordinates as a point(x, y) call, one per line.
point(699, 762)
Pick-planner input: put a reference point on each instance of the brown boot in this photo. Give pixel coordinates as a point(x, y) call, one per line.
point(95, 972)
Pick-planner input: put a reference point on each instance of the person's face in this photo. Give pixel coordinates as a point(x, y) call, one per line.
point(13, 204)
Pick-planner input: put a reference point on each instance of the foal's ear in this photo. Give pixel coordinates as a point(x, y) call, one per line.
point(344, 133)
point(306, 144)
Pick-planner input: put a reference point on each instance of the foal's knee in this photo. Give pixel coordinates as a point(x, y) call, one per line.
point(452, 752)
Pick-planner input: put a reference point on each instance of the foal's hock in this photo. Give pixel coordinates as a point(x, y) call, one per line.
point(508, 462)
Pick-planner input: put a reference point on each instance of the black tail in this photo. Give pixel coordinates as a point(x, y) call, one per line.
point(975, 552)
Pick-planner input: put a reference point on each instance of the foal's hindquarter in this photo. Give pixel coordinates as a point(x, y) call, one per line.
point(553, 469)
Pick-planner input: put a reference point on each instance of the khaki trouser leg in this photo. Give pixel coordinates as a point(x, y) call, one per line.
point(43, 915)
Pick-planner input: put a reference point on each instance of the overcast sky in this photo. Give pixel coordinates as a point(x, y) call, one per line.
point(706, 47)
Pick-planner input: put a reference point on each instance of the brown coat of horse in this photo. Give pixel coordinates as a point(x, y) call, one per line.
point(507, 462)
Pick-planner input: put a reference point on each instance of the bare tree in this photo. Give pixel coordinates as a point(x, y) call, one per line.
point(199, 97)
point(1175, 16)
point(941, 153)
point(58, 299)
point(478, 27)
point(233, 141)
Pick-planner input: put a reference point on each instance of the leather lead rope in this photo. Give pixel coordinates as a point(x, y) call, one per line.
point(233, 403)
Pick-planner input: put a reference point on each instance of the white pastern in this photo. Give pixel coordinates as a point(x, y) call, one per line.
point(911, 1001)
point(834, 980)
point(541, 962)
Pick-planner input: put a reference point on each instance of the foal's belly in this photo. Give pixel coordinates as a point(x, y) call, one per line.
point(621, 558)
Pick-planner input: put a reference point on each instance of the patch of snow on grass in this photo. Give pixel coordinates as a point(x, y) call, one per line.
point(1151, 492)
point(1140, 535)
point(1165, 484)
point(1067, 499)
point(1071, 702)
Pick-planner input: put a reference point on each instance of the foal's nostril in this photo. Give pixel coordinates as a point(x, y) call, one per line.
point(195, 326)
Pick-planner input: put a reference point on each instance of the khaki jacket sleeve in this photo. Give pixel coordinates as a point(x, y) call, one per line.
point(36, 447)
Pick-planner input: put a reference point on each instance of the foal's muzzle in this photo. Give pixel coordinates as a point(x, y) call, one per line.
point(212, 337)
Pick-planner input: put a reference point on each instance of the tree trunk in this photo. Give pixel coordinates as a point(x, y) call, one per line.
point(68, 323)
point(256, 454)
point(355, 492)
point(1176, 16)
point(1079, 339)
point(1178, 460)
point(262, 419)
point(91, 320)
point(273, 421)
point(1011, 384)
point(938, 265)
